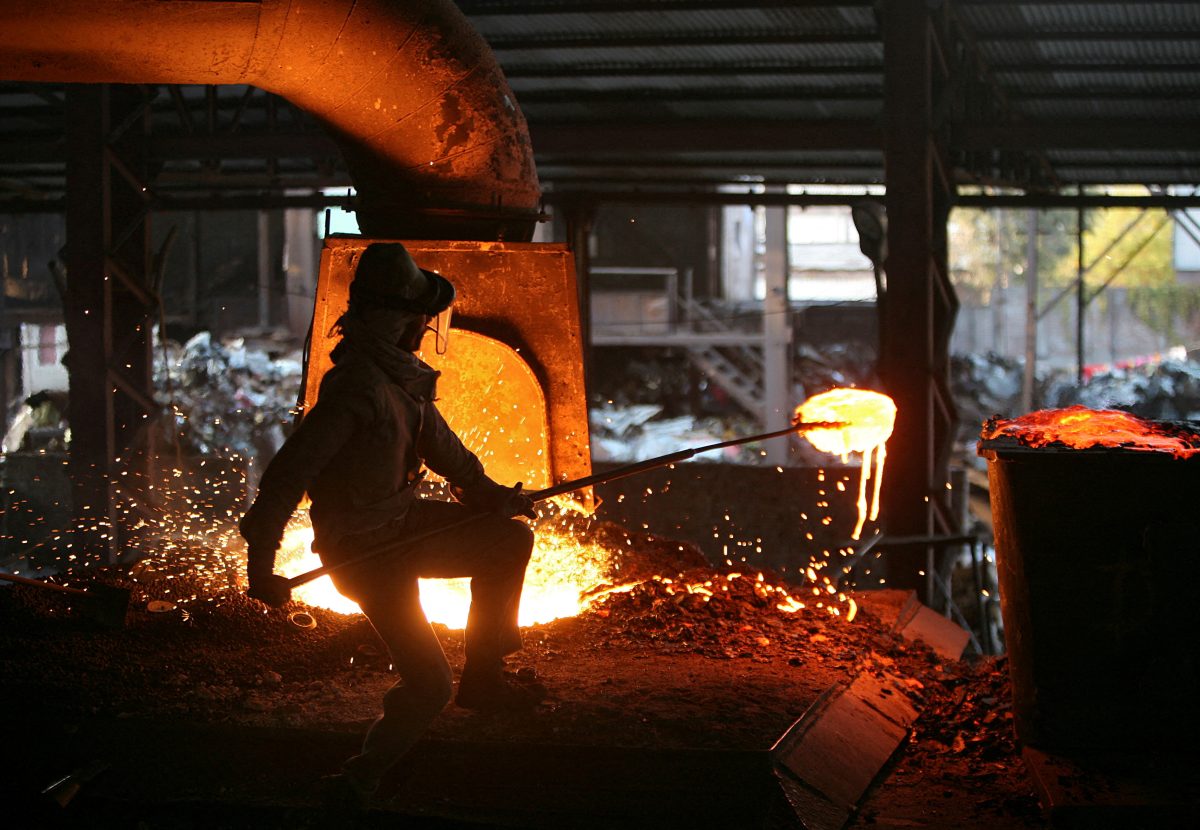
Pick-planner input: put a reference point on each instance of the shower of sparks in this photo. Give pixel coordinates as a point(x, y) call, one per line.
point(561, 571)
point(189, 536)
point(566, 577)
point(197, 546)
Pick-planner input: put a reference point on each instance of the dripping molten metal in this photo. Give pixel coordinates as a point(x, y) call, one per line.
point(869, 418)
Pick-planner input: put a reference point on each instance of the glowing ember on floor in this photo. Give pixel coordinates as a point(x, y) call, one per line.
point(868, 418)
point(1082, 428)
point(565, 578)
point(560, 573)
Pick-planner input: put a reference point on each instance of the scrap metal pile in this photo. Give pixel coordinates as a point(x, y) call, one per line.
point(632, 421)
point(962, 746)
point(227, 398)
point(990, 384)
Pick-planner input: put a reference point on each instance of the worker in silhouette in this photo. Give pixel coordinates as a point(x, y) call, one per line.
point(359, 454)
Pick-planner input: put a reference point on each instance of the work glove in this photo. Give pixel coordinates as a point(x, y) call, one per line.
point(518, 503)
point(490, 497)
point(264, 584)
point(268, 587)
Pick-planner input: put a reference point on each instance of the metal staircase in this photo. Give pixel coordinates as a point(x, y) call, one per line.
point(743, 387)
point(738, 369)
point(729, 356)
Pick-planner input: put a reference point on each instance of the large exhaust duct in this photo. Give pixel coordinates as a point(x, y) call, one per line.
point(412, 94)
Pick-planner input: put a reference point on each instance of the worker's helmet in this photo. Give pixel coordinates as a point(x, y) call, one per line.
point(387, 277)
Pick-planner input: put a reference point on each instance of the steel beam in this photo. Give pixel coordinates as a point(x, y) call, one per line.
point(1031, 34)
point(240, 145)
point(865, 134)
point(1014, 67)
point(1125, 95)
point(516, 71)
point(668, 39)
point(629, 192)
point(712, 197)
point(1053, 3)
point(705, 136)
point(1079, 135)
point(635, 94)
point(481, 8)
point(1088, 299)
point(259, 201)
point(1067, 200)
point(795, 163)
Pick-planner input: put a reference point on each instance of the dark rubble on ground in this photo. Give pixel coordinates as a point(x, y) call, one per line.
point(654, 665)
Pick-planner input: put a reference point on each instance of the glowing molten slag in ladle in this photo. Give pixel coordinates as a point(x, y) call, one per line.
point(868, 418)
point(1082, 428)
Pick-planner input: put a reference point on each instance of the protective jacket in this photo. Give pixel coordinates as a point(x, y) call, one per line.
point(358, 454)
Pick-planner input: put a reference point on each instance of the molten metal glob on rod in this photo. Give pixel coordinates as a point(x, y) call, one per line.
point(868, 420)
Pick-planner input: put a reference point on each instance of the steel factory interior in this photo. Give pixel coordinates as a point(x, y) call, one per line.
point(850, 352)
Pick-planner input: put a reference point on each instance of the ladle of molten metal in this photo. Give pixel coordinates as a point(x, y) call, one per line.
point(570, 486)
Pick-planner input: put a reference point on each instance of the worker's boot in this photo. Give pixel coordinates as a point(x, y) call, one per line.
point(344, 791)
point(494, 690)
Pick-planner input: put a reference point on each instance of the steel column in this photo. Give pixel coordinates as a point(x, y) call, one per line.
point(1029, 379)
point(108, 312)
point(920, 308)
point(578, 215)
point(776, 335)
point(1081, 293)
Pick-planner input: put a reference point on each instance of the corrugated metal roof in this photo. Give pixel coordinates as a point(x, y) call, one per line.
point(727, 58)
point(707, 62)
point(813, 72)
point(1136, 14)
point(801, 20)
point(748, 85)
point(1085, 83)
point(1123, 53)
point(1124, 110)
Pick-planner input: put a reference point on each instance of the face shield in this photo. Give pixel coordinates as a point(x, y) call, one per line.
point(439, 327)
point(438, 300)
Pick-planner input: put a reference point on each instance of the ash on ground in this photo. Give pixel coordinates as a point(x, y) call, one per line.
point(673, 654)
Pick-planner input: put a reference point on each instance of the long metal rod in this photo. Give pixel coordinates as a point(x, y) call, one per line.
point(559, 489)
point(673, 458)
point(37, 583)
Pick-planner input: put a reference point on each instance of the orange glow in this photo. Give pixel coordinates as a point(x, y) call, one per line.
point(1081, 428)
point(564, 579)
point(560, 573)
point(492, 400)
point(707, 589)
point(869, 418)
point(512, 378)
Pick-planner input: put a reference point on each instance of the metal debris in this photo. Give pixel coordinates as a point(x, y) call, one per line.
point(227, 398)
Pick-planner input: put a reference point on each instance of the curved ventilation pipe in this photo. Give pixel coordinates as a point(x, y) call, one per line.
point(411, 93)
